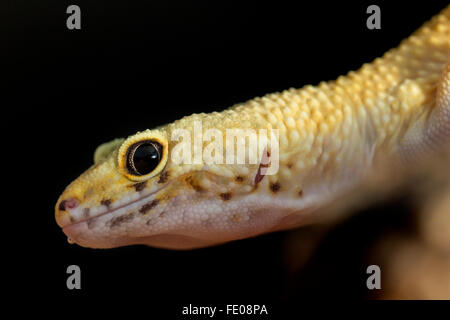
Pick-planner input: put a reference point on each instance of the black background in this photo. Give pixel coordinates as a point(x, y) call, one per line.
point(138, 64)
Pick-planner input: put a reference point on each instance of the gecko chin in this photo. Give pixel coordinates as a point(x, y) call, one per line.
point(184, 222)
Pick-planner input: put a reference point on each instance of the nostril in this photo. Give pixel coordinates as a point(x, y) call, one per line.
point(70, 203)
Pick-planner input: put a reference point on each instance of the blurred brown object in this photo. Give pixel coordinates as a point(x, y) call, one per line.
point(398, 219)
point(418, 265)
point(412, 269)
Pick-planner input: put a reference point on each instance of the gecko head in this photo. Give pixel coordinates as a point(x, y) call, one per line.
point(137, 193)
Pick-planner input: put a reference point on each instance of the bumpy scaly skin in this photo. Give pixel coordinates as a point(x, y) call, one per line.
point(330, 136)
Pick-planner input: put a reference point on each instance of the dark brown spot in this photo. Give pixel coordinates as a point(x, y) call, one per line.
point(153, 219)
point(140, 185)
point(117, 221)
point(148, 206)
point(194, 184)
point(239, 179)
point(275, 187)
point(106, 202)
point(300, 193)
point(163, 177)
point(86, 212)
point(289, 165)
point(225, 196)
point(72, 219)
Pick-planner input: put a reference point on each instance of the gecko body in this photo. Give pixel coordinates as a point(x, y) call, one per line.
point(330, 137)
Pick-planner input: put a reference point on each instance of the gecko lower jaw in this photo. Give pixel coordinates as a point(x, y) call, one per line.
point(111, 211)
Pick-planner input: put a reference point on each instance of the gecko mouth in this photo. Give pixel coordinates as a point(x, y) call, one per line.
point(121, 207)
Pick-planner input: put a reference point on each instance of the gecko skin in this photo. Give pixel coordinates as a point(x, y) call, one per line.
point(330, 137)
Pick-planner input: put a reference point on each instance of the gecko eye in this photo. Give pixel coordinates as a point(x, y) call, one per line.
point(143, 157)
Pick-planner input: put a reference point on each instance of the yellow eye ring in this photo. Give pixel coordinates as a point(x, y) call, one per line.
point(143, 155)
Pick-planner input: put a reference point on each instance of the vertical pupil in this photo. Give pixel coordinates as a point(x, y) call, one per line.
point(145, 158)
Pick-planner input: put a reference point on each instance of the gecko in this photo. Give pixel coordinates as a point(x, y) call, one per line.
point(330, 136)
